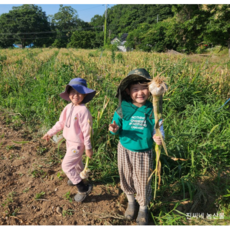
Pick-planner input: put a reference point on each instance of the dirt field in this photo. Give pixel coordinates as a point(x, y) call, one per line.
point(24, 176)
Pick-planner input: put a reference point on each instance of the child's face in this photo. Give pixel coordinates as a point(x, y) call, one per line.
point(139, 93)
point(76, 97)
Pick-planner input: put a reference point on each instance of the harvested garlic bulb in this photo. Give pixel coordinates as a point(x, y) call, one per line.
point(85, 173)
point(157, 87)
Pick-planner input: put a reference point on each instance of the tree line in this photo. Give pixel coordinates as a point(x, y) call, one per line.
point(184, 28)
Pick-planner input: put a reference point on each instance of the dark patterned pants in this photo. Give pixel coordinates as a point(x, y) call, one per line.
point(134, 170)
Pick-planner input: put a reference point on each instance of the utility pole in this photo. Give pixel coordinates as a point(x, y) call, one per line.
point(109, 33)
point(157, 18)
point(105, 24)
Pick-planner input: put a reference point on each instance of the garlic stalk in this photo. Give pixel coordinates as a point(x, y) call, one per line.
point(85, 173)
point(157, 87)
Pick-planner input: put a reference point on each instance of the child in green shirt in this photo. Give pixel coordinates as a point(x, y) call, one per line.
point(134, 122)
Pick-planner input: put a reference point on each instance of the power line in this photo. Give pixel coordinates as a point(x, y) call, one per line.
point(45, 37)
point(59, 31)
point(47, 32)
point(34, 38)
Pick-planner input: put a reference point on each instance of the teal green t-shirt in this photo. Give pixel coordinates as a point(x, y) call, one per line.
point(136, 126)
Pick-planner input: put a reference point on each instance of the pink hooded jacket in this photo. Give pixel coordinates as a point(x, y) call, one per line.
point(74, 123)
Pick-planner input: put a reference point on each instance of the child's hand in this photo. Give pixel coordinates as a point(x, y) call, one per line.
point(157, 139)
point(46, 137)
point(113, 127)
point(89, 153)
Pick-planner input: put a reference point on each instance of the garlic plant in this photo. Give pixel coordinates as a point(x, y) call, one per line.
point(157, 87)
point(85, 173)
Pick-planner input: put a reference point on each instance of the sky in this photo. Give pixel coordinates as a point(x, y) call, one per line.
point(85, 11)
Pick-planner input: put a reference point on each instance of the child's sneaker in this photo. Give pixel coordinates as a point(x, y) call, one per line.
point(80, 196)
point(70, 183)
point(131, 210)
point(142, 218)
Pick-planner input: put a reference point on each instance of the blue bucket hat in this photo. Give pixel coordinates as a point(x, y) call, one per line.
point(80, 86)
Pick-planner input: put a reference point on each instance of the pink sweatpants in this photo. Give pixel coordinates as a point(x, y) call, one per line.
point(72, 163)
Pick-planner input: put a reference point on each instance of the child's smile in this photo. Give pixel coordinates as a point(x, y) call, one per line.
point(76, 97)
point(139, 93)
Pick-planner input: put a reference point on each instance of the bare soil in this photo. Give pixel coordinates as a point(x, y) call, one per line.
point(24, 174)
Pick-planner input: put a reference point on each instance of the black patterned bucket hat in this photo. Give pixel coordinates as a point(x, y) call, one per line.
point(135, 75)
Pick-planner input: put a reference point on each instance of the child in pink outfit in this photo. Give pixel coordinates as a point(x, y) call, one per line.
point(75, 121)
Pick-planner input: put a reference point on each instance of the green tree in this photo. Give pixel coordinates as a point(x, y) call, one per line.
point(6, 39)
point(136, 37)
point(24, 24)
point(66, 18)
point(97, 22)
point(99, 39)
point(60, 40)
point(152, 37)
point(218, 26)
point(188, 27)
point(125, 18)
point(83, 39)
point(155, 38)
point(64, 22)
